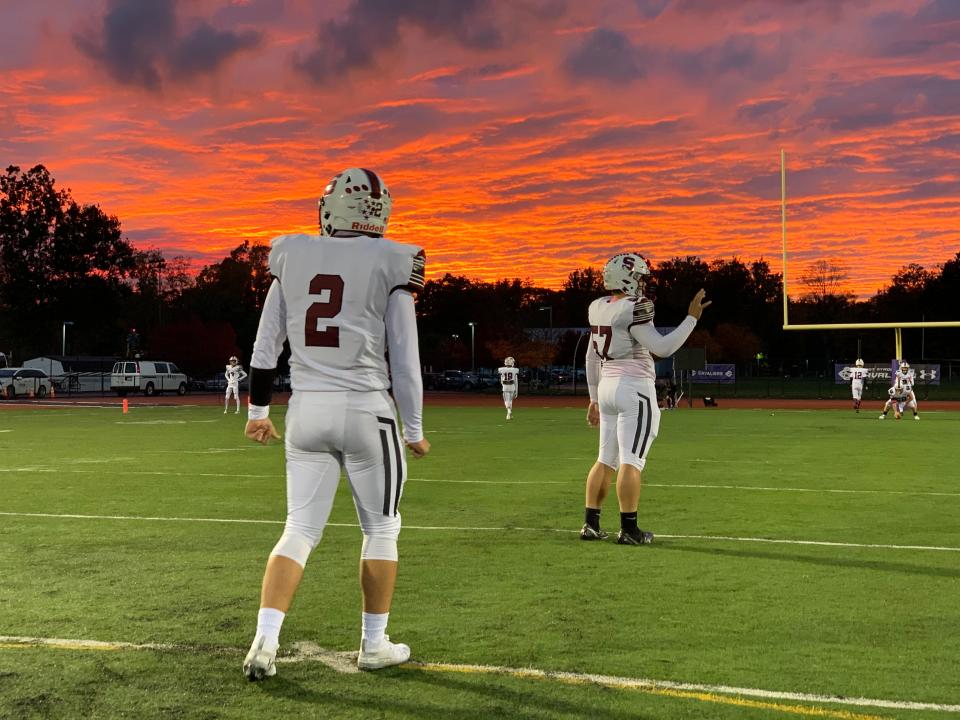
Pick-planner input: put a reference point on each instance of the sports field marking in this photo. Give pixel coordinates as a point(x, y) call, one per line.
point(214, 451)
point(161, 422)
point(804, 490)
point(3, 431)
point(345, 662)
point(448, 528)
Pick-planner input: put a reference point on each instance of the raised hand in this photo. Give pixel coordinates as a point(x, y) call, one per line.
point(697, 304)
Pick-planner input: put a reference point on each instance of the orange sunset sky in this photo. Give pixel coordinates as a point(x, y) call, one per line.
point(520, 138)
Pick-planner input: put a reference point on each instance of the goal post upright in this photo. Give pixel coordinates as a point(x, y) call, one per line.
point(783, 228)
point(897, 327)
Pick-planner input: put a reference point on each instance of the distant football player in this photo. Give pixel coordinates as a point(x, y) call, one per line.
point(907, 377)
point(509, 383)
point(234, 374)
point(858, 374)
point(623, 398)
point(342, 299)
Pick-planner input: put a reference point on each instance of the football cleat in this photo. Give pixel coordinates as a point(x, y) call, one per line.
point(260, 662)
point(916, 417)
point(882, 416)
point(383, 655)
point(589, 533)
point(638, 537)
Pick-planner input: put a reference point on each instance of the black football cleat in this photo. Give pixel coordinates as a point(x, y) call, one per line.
point(588, 533)
point(635, 537)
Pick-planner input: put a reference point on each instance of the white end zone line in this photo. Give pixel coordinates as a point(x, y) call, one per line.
point(345, 662)
point(450, 528)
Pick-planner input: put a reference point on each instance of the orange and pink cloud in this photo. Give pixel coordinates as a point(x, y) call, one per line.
point(519, 138)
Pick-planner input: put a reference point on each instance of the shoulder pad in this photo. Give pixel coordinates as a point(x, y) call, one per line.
point(642, 310)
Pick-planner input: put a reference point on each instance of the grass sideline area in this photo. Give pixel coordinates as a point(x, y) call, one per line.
point(812, 552)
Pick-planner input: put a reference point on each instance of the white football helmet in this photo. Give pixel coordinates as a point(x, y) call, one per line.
point(625, 273)
point(859, 362)
point(904, 367)
point(509, 362)
point(355, 201)
point(234, 359)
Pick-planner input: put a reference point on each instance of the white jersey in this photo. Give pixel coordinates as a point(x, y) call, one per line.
point(234, 374)
point(335, 292)
point(858, 375)
point(905, 380)
point(623, 337)
point(508, 378)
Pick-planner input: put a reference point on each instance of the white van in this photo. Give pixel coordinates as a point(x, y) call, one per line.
point(150, 377)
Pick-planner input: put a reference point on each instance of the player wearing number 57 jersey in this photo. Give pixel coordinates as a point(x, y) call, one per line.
point(342, 300)
point(623, 398)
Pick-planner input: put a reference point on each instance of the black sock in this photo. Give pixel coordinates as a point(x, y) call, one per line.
point(628, 521)
point(591, 516)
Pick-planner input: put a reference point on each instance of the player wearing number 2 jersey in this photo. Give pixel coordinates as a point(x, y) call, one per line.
point(623, 399)
point(342, 300)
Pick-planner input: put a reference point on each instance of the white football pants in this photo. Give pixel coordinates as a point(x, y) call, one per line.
point(356, 431)
point(857, 389)
point(629, 420)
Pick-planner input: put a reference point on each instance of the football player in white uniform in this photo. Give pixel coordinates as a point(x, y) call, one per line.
point(623, 398)
point(234, 374)
point(905, 397)
point(858, 373)
point(509, 383)
point(343, 300)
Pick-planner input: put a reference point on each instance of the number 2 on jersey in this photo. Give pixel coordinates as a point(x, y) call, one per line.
point(330, 335)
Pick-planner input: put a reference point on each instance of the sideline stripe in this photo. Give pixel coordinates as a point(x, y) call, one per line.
point(709, 693)
point(451, 528)
point(214, 451)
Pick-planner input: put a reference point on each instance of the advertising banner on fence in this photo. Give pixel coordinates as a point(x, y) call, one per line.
point(926, 374)
point(715, 373)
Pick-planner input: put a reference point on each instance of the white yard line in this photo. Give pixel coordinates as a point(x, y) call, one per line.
point(457, 528)
point(345, 662)
point(466, 482)
point(215, 451)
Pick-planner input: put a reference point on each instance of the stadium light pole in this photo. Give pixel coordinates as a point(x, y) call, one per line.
point(63, 345)
point(575, 351)
point(549, 308)
point(473, 363)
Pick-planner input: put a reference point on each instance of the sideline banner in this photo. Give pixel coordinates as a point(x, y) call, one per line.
point(715, 373)
point(926, 374)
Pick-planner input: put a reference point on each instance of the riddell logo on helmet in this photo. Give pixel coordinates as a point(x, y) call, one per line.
point(367, 227)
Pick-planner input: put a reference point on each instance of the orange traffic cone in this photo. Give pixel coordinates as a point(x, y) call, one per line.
point(126, 406)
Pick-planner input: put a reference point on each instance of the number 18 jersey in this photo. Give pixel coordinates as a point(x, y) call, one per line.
point(335, 293)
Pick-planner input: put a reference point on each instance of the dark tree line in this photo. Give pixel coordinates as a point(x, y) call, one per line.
point(64, 261)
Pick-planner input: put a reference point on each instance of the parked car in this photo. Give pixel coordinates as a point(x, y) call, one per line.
point(460, 380)
point(151, 377)
point(23, 381)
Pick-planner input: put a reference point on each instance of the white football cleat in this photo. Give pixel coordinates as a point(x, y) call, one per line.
point(260, 662)
point(916, 417)
point(882, 417)
point(383, 655)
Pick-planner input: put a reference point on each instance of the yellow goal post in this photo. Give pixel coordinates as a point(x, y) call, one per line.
point(895, 326)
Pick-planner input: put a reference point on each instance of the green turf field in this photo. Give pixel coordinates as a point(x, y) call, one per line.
point(492, 572)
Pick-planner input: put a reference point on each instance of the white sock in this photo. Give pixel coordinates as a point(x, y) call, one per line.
point(373, 626)
point(269, 621)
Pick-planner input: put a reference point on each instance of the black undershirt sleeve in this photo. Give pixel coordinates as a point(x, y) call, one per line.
point(261, 385)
